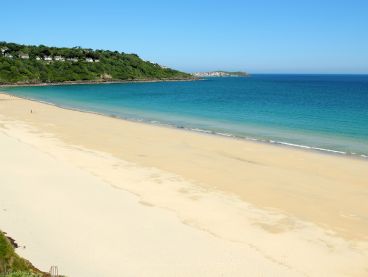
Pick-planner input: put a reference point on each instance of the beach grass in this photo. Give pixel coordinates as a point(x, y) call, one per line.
point(21, 274)
point(11, 264)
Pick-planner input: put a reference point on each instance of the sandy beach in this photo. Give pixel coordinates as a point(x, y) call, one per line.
point(100, 196)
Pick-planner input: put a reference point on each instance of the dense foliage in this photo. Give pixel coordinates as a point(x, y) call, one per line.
point(42, 64)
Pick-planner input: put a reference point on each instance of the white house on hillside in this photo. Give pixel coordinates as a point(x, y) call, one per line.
point(7, 55)
point(38, 58)
point(73, 60)
point(47, 58)
point(3, 50)
point(59, 58)
point(89, 60)
point(24, 56)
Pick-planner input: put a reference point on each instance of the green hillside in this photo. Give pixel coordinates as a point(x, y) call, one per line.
point(42, 64)
point(11, 265)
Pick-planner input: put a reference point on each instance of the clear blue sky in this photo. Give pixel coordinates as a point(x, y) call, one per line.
point(263, 36)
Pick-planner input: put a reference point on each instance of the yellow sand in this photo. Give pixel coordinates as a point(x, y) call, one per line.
point(273, 211)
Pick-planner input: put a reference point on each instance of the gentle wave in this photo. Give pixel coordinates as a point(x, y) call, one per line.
point(205, 131)
point(278, 142)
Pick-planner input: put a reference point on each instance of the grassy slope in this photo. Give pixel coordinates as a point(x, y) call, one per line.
point(13, 264)
point(111, 65)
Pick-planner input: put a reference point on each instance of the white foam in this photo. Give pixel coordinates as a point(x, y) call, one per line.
point(225, 134)
point(154, 122)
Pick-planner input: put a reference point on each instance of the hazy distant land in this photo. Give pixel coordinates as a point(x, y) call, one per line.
point(221, 74)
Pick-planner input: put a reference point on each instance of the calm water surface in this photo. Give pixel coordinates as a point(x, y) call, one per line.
point(324, 112)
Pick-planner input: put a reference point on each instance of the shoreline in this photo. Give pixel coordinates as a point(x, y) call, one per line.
point(156, 201)
point(124, 137)
point(98, 82)
point(300, 147)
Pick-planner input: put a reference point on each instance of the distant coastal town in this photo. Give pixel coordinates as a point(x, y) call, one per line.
point(221, 74)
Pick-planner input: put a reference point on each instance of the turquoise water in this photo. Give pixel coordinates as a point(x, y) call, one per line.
point(323, 112)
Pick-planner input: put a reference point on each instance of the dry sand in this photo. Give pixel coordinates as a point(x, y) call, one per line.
point(100, 196)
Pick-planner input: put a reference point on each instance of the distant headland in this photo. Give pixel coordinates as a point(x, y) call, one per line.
point(221, 74)
point(26, 64)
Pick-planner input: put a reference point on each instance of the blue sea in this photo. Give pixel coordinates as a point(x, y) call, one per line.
point(320, 112)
